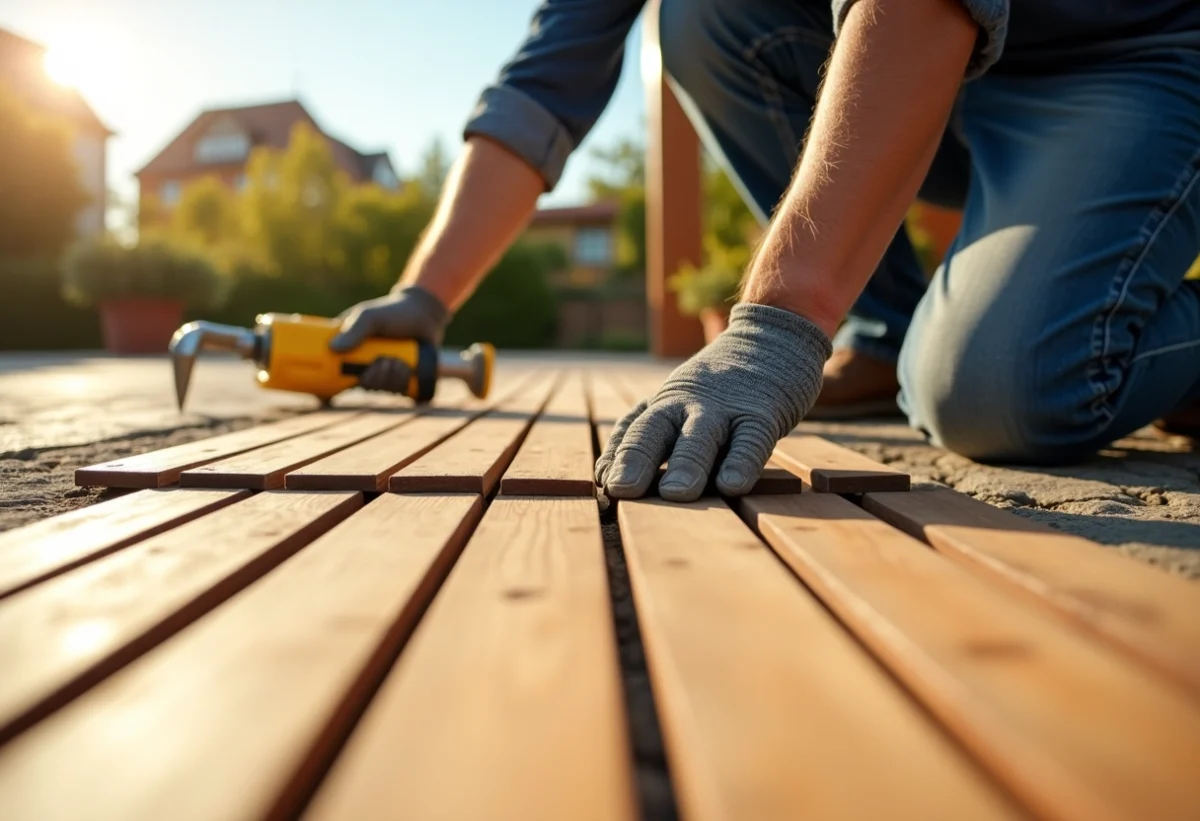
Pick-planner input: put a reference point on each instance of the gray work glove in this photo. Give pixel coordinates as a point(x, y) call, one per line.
point(409, 312)
point(749, 388)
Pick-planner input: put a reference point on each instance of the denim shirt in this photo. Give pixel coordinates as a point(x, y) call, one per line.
point(551, 93)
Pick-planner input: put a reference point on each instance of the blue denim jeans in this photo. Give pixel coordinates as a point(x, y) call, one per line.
point(1060, 319)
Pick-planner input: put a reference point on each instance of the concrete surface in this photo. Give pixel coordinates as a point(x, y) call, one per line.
point(59, 412)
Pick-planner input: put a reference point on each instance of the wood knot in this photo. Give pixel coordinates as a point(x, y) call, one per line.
point(522, 593)
point(997, 649)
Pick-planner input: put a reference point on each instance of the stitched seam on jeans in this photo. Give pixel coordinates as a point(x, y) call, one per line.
point(773, 97)
point(1179, 346)
point(1159, 215)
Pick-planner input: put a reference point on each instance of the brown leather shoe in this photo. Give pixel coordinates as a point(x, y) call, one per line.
point(855, 386)
point(1183, 422)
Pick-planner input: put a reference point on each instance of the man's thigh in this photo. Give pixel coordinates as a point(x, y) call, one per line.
point(1083, 215)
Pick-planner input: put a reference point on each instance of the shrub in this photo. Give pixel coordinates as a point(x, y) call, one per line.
point(513, 306)
point(33, 314)
point(102, 269)
point(715, 285)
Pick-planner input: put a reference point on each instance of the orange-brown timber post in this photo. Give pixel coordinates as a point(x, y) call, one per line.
point(673, 201)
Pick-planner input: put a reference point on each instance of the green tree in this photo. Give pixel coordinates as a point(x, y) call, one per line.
point(40, 193)
point(434, 167)
point(290, 201)
point(207, 213)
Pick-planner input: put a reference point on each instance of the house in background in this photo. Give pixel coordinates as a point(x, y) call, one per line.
point(219, 141)
point(22, 71)
point(587, 234)
point(593, 309)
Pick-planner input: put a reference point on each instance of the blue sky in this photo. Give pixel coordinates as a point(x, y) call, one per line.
point(386, 74)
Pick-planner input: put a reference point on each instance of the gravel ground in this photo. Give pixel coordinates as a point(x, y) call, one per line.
point(37, 483)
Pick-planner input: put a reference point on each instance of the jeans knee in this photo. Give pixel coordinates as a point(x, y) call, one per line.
point(993, 406)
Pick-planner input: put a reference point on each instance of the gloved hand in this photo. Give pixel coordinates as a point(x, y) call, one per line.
point(749, 388)
point(409, 312)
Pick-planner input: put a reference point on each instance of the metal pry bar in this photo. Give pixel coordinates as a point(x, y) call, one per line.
point(194, 337)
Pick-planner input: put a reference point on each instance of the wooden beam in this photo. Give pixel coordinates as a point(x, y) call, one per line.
point(506, 702)
point(239, 715)
point(63, 636)
point(42, 550)
point(1071, 728)
point(1148, 612)
point(831, 468)
point(769, 709)
point(556, 457)
point(674, 200)
point(160, 468)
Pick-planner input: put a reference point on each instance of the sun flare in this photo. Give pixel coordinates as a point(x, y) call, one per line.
point(63, 66)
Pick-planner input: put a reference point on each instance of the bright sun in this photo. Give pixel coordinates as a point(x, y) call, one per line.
point(64, 66)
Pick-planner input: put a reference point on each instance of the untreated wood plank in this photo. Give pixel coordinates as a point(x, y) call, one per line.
point(556, 457)
point(60, 637)
point(473, 460)
point(160, 468)
point(608, 403)
point(506, 703)
point(770, 710)
point(1070, 726)
point(368, 464)
point(237, 717)
point(831, 468)
point(37, 552)
point(265, 468)
point(1150, 613)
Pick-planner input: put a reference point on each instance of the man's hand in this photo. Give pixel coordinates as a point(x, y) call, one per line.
point(748, 388)
point(406, 313)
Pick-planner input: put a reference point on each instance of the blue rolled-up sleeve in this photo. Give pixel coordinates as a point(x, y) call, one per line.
point(550, 94)
point(990, 15)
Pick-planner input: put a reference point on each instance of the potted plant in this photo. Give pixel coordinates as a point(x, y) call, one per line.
point(141, 291)
point(708, 292)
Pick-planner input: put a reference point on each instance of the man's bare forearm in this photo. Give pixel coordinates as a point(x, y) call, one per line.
point(485, 204)
point(890, 86)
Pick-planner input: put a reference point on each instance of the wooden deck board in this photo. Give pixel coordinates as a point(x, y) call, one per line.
point(283, 669)
point(1148, 612)
point(159, 468)
point(506, 703)
point(769, 709)
point(473, 460)
point(62, 636)
point(44, 549)
point(265, 468)
point(556, 457)
point(1068, 725)
point(831, 468)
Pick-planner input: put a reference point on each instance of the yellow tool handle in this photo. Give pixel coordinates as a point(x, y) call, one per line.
point(298, 358)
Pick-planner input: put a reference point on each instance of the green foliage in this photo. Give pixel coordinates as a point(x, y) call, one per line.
point(40, 193)
point(435, 167)
point(96, 270)
point(33, 314)
point(713, 285)
point(513, 306)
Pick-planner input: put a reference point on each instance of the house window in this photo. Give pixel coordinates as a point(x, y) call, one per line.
point(384, 176)
point(169, 193)
point(222, 148)
point(593, 246)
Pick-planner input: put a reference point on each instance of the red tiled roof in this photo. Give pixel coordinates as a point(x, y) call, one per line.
point(597, 212)
point(268, 125)
point(22, 69)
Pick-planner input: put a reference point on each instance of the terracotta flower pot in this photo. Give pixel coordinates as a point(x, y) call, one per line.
point(713, 320)
point(139, 325)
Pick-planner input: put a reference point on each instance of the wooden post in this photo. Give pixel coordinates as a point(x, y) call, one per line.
point(673, 201)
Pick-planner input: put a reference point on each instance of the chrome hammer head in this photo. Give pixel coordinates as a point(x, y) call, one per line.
point(194, 337)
